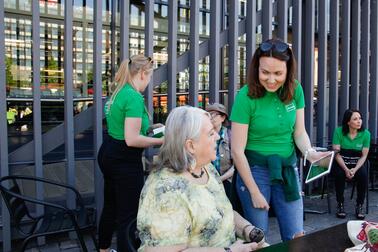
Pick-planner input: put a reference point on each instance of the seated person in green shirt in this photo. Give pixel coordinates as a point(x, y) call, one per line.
point(352, 143)
point(267, 120)
point(183, 206)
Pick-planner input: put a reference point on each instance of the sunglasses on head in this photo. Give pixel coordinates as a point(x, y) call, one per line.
point(150, 59)
point(277, 46)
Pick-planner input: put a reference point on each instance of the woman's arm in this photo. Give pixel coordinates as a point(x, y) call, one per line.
point(133, 137)
point(238, 142)
point(340, 161)
point(302, 140)
point(227, 174)
point(361, 160)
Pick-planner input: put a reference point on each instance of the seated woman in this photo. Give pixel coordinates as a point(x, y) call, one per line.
point(223, 162)
point(182, 206)
point(351, 142)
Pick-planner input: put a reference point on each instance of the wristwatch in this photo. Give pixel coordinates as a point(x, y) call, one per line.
point(227, 249)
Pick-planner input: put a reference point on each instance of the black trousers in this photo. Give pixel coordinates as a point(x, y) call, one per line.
point(122, 169)
point(360, 177)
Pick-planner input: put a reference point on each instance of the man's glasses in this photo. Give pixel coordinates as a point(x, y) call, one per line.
point(277, 46)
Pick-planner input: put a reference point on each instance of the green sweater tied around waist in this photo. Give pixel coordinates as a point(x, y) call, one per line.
point(281, 171)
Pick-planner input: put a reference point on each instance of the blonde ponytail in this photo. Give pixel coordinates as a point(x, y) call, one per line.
point(127, 70)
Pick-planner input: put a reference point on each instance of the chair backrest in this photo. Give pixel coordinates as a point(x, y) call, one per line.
point(13, 199)
point(132, 237)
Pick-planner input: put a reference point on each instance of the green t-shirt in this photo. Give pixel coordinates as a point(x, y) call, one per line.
point(127, 103)
point(362, 140)
point(271, 122)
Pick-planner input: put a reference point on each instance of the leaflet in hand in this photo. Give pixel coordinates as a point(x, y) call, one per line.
point(158, 132)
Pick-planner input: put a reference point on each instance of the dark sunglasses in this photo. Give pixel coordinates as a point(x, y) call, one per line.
point(277, 46)
point(148, 58)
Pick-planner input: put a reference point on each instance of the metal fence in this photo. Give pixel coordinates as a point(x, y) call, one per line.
point(335, 43)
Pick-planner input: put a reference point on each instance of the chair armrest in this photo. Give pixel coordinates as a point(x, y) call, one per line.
point(47, 181)
point(33, 200)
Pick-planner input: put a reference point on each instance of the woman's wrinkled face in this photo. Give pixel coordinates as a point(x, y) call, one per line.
point(205, 146)
point(272, 73)
point(355, 121)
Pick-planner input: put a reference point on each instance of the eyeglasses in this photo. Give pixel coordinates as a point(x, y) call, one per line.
point(276, 45)
point(213, 114)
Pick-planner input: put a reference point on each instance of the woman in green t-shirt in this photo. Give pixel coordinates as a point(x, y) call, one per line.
point(267, 120)
point(351, 142)
point(120, 155)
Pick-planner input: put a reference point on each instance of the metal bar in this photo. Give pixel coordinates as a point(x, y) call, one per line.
point(37, 122)
point(345, 60)
point(233, 52)
point(68, 99)
point(215, 58)
point(322, 73)
point(53, 138)
point(98, 111)
point(172, 54)
point(194, 53)
point(250, 30)
point(149, 48)
point(267, 13)
point(113, 41)
point(124, 28)
point(334, 68)
point(4, 169)
point(309, 70)
point(355, 54)
point(365, 54)
point(282, 15)
point(373, 94)
point(297, 35)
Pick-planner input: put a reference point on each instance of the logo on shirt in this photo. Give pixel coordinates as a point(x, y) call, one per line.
point(359, 145)
point(290, 107)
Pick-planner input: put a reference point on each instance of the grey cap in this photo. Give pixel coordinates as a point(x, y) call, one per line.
point(217, 107)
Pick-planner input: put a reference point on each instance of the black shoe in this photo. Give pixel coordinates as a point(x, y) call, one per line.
point(340, 212)
point(359, 213)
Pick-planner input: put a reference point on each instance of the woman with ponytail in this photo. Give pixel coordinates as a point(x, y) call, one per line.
point(120, 156)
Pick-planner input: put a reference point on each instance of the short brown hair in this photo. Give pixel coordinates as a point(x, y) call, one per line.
point(255, 89)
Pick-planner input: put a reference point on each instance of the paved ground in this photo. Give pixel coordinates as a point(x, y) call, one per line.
point(313, 222)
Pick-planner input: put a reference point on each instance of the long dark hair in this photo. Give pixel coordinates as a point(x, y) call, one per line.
point(255, 89)
point(346, 118)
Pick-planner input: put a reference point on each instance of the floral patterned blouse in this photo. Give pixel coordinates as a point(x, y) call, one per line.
point(174, 211)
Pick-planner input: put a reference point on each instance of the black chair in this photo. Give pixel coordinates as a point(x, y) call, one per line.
point(132, 236)
point(331, 179)
point(56, 218)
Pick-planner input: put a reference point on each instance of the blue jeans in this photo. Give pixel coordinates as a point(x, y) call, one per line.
point(289, 213)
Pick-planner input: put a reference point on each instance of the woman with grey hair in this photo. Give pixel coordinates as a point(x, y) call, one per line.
point(182, 206)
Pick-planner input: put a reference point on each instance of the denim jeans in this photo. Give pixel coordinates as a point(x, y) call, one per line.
point(289, 213)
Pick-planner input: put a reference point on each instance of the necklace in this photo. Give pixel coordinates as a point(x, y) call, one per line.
point(198, 176)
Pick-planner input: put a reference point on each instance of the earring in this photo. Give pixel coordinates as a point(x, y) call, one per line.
point(192, 165)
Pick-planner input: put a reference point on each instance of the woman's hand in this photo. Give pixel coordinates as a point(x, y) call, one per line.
point(240, 246)
point(349, 174)
point(259, 201)
point(313, 156)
